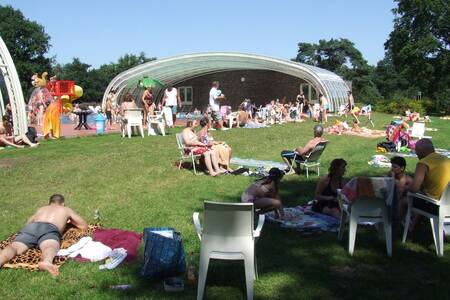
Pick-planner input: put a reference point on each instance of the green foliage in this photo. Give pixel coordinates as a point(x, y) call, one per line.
point(27, 42)
point(398, 105)
point(342, 57)
point(419, 48)
point(95, 81)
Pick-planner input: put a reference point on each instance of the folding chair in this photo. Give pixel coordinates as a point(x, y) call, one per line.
point(312, 159)
point(186, 153)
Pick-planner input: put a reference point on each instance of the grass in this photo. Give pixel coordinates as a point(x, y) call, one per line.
point(134, 184)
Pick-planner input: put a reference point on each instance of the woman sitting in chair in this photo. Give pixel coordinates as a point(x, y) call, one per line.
point(326, 191)
point(222, 150)
point(194, 145)
point(264, 193)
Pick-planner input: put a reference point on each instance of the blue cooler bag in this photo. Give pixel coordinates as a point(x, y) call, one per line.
point(163, 253)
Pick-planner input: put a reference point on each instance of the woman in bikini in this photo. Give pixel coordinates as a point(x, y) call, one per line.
point(326, 190)
point(147, 101)
point(264, 193)
point(196, 147)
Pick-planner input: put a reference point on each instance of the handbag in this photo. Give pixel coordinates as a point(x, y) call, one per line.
point(163, 253)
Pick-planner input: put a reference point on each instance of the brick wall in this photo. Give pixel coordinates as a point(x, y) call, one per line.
point(259, 86)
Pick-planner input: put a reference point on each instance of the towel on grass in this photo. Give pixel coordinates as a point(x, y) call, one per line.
point(30, 259)
point(117, 238)
point(303, 219)
point(254, 163)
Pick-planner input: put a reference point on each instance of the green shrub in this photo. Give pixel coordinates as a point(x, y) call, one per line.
point(400, 105)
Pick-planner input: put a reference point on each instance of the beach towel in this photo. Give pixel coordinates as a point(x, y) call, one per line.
point(254, 163)
point(443, 152)
point(117, 238)
point(304, 220)
point(30, 259)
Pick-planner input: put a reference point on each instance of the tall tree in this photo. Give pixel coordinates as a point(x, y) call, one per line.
point(342, 57)
point(419, 46)
point(27, 42)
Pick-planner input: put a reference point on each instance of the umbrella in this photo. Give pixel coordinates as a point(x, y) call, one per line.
point(145, 82)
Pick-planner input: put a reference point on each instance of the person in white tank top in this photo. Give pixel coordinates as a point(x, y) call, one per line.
point(171, 99)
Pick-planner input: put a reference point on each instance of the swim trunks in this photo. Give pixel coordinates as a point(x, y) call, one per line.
point(35, 233)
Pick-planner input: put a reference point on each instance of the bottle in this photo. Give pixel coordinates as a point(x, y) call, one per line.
point(96, 215)
point(121, 287)
point(191, 270)
point(399, 145)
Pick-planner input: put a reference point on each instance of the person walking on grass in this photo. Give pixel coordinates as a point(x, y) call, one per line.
point(44, 230)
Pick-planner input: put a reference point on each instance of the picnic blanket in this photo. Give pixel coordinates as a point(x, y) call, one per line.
point(30, 259)
point(255, 125)
point(303, 219)
point(254, 163)
point(367, 133)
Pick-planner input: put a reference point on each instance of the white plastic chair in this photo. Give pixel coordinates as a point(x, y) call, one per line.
point(367, 210)
point(133, 118)
point(156, 120)
point(184, 154)
point(231, 118)
point(437, 217)
point(418, 131)
point(228, 233)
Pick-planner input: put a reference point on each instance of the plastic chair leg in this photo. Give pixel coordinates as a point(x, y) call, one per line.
point(161, 128)
point(353, 224)
point(341, 226)
point(193, 165)
point(256, 269)
point(249, 273)
point(438, 236)
point(407, 220)
point(129, 131)
point(202, 273)
point(307, 174)
point(388, 235)
point(141, 128)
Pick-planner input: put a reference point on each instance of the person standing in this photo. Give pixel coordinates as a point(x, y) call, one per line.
point(350, 101)
point(108, 111)
point(147, 103)
point(215, 96)
point(170, 100)
point(324, 107)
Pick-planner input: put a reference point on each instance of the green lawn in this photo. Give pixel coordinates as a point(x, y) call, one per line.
point(134, 184)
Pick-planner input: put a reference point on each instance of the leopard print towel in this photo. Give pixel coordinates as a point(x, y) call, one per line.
point(30, 259)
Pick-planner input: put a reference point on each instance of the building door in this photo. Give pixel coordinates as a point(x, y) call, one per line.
point(309, 91)
point(186, 95)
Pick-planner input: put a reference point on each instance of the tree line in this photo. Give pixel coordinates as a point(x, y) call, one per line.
point(414, 73)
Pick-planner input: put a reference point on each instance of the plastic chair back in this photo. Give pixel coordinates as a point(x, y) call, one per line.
point(133, 116)
point(228, 219)
point(180, 142)
point(418, 129)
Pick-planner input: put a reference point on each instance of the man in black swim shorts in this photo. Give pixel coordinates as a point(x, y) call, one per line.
point(44, 230)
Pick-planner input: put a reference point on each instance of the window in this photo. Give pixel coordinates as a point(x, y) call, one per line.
point(309, 91)
point(186, 95)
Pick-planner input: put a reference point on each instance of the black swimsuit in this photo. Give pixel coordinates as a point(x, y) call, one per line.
point(319, 205)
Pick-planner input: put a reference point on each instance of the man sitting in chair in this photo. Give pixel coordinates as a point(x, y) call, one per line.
point(432, 175)
point(289, 155)
point(432, 171)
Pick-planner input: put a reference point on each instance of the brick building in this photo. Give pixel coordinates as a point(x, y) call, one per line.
point(259, 78)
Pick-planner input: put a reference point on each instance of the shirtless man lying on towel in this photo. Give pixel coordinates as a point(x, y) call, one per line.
point(44, 230)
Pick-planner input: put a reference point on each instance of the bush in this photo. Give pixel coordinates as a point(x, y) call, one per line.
point(400, 105)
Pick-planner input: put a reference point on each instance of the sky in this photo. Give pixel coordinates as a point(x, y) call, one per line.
point(100, 31)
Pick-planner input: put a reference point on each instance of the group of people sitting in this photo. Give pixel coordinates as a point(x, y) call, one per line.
point(7, 136)
point(216, 154)
point(431, 177)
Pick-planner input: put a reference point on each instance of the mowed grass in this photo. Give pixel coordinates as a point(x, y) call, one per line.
point(134, 184)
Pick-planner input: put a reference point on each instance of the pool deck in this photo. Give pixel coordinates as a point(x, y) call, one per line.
point(68, 131)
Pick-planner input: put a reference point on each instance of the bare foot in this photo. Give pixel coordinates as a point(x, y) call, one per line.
point(34, 145)
point(51, 268)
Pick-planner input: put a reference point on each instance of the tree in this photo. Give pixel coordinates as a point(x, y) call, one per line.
point(27, 42)
point(419, 46)
point(95, 81)
point(342, 57)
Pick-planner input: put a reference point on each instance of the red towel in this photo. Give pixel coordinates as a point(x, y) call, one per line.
point(116, 238)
